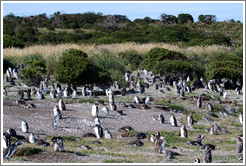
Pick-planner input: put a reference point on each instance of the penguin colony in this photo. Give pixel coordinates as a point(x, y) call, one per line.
point(159, 140)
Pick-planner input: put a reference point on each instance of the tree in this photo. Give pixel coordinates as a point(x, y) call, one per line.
point(169, 19)
point(185, 18)
point(73, 67)
point(207, 19)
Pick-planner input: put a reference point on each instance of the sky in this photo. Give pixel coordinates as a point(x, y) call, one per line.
point(223, 11)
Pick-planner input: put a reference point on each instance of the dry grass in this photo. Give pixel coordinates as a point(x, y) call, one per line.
point(56, 50)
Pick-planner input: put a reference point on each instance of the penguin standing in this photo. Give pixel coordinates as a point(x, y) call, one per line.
point(57, 112)
point(11, 132)
point(225, 94)
point(94, 110)
point(56, 121)
point(98, 131)
point(32, 139)
point(52, 94)
point(28, 94)
point(113, 107)
point(5, 92)
point(197, 161)
point(111, 96)
point(24, 126)
point(11, 150)
point(147, 100)
point(182, 92)
point(190, 119)
point(58, 144)
point(107, 134)
point(105, 110)
point(241, 118)
point(210, 107)
point(83, 91)
point(161, 118)
point(207, 158)
point(173, 120)
point(199, 102)
point(61, 104)
point(239, 145)
point(74, 95)
point(6, 140)
point(21, 94)
point(183, 131)
point(136, 98)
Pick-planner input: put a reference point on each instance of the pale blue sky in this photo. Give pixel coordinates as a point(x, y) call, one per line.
point(223, 11)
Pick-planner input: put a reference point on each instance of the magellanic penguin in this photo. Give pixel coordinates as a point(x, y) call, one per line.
point(147, 100)
point(61, 104)
point(239, 145)
point(225, 94)
point(190, 119)
point(58, 144)
point(11, 132)
point(197, 161)
point(105, 110)
point(161, 118)
point(74, 95)
point(94, 110)
point(136, 98)
point(11, 149)
point(207, 158)
point(56, 121)
point(6, 140)
point(32, 139)
point(98, 131)
point(107, 134)
point(111, 96)
point(199, 102)
point(210, 107)
point(241, 118)
point(57, 112)
point(52, 94)
point(173, 120)
point(183, 131)
point(24, 126)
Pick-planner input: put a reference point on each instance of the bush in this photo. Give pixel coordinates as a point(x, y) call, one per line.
point(132, 59)
point(73, 67)
point(33, 72)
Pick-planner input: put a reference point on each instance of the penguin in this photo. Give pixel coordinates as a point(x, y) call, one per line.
point(40, 95)
point(28, 94)
point(241, 118)
point(113, 107)
point(83, 91)
point(65, 92)
point(141, 135)
point(136, 98)
point(74, 95)
point(135, 143)
point(212, 147)
point(32, 139)
point(61, 104)
point(94, 110)
point(197, 161)
point(107, 134)
point(131, 106)
point(24, 126)
point(99, 131)
point(147, 100)
point(225, 94)
point(6, 140)
point(11, 150)
point(105, 110)
point(89, 135)
point(173, 120)
point(111, 96)
point(199, 102)
point(169, 154)
point(183, 131)
point(11, 132)
point(52, 94)
point(161, 118)
point(122, 104)
point(188, 88)
point(85, 147)
point(182, 92)
point(210, 107)
point(207, 158)
point(125, 129)
point(21, 94)
point(239, 148)
point(160, 144)
point(58, 144)
point(97, 121)
point(57, 112)
point(5, 92)
point(56, 121)
point(190, 119)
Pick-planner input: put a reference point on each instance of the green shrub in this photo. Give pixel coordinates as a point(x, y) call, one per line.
point(6, 64)
point(27, 151)
point(132, 59)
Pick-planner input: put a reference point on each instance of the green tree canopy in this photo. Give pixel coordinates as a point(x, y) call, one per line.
point(185, 18)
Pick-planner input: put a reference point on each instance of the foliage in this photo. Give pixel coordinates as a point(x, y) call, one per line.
point(207, 19)
point(27, 151)
point(132, 59)
point(185, 18)
point(73, 67)
point(169, 19)
point(6, 64)
point(33, 72)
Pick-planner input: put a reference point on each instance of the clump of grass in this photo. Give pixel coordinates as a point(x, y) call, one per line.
point(27, 151)
point(116, 161)
point(218, 108)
